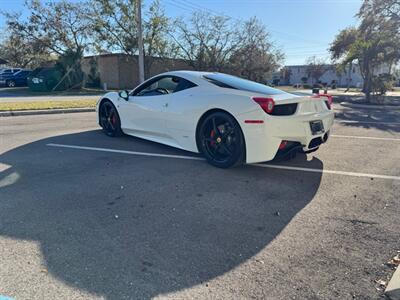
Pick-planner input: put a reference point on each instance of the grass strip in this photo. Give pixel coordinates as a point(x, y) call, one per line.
point(37, 105)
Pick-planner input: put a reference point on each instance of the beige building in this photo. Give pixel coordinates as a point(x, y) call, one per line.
point(120, 71)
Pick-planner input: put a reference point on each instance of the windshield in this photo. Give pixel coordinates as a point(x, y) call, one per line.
point(233, 82)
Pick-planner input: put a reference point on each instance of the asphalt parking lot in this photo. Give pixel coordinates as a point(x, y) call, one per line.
point(84, 216)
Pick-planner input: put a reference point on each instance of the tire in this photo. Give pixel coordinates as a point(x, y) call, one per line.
point(311, 151)
point(221, 140)
point(10, 83)
point(109, 119)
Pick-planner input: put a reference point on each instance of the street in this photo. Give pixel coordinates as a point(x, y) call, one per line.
point(85, 216)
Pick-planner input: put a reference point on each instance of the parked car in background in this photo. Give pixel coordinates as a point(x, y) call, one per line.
point(9, 70)
point(11, 79)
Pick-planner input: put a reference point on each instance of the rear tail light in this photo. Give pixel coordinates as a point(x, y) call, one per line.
point(267, 104)
point(283, 145)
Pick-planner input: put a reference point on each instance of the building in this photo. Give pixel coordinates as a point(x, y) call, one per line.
point(120, 71)
point(299, 74)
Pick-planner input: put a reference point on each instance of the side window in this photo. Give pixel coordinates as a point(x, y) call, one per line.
point(184, 85)
point(164, 85)
point(158, 86)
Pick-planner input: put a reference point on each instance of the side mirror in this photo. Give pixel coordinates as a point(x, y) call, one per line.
point(124, 95)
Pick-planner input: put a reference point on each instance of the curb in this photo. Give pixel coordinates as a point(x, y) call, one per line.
point(44, 111)
point(372, 106)
point(393, 288)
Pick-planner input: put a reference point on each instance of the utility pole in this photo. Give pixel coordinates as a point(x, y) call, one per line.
point(140, 39)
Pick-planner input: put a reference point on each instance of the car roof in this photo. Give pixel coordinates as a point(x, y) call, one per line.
point(11, 74)
point(195, 76)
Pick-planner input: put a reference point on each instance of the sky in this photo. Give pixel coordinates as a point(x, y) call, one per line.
point(300, 28)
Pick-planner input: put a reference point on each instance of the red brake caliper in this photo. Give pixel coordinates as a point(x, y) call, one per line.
point(114, 119)
point(212, 134)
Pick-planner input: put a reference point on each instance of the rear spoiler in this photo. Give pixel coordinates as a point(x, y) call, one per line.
point(328, 101)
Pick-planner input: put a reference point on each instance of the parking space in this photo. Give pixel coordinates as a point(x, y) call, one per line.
point(87, 216)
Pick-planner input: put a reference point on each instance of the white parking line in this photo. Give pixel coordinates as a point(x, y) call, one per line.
point(126, 152)
point(354, 174)
point(367, 122)
point(364, 137)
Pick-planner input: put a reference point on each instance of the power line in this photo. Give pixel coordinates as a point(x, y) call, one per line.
point(178, 6)
point(192, 7)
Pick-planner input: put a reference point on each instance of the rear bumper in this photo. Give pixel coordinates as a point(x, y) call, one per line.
point(263, 140)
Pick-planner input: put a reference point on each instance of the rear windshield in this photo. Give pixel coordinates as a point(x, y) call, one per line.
point(233, 82)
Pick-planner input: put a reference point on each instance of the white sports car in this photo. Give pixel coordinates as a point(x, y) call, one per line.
point(228, 119)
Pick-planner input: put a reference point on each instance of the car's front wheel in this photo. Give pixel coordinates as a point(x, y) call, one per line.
point(221, 140)
point(109, 119)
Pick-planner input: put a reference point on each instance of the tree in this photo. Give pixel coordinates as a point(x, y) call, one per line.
point(116, 30)
point(206, 41)
point(114, 25)
point(216, 43)
point(375, 42)
point(156, 41)
point(60, 28)
point(254, 56)
point(22, 53)
point(315, 68)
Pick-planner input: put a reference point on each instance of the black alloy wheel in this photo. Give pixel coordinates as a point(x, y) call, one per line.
point(109, 119)
point(221, 140)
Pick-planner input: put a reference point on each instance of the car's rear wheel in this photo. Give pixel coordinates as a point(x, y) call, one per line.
point(10, 83)
point(221, 140)
point(109, 119)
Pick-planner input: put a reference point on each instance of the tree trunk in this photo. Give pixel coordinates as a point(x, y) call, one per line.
point(367, 89)
point(349, 76)
point(367, 81)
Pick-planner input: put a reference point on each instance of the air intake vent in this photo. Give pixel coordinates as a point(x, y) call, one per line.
point(284, 109)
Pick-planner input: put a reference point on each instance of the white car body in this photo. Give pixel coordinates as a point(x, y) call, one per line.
point(172, 119)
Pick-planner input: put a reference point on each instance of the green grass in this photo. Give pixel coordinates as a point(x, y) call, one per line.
point(13, 106)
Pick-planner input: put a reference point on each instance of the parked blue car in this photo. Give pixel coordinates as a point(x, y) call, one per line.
point(12, 79)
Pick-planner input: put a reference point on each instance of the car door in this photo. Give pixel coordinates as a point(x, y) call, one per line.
point(180, 114)
point(21, 77)
point(143, 114)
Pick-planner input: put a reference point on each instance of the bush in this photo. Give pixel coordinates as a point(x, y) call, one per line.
point(69, 65)
point(382, 83)
point(93, 78)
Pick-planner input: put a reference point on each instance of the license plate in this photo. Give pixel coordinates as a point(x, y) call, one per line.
point(317, 127)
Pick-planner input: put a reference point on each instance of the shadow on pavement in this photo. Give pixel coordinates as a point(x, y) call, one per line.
point(125, 226)
point(374, 118)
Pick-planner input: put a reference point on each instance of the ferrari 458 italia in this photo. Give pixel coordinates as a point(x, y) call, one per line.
point(228, 119)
